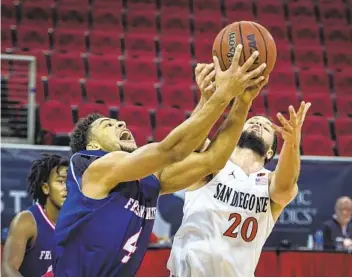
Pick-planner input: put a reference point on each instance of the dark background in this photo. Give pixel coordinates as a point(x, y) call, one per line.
point(321, 183)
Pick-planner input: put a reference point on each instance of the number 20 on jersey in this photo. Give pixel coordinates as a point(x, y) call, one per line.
point(244, 231)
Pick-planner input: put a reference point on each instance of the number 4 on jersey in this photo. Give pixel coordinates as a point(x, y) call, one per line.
point(244, 229)
point(130, 246)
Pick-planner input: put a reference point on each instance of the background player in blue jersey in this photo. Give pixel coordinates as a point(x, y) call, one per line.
point(105, 223)
point(27, 250)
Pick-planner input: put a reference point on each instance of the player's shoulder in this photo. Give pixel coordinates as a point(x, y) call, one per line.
point(24, 221)
point(24, 216)
point(93, 160)
point(100, 159)
point(88, 156)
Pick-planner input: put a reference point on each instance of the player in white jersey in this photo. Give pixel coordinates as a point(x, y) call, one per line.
point(234, 201)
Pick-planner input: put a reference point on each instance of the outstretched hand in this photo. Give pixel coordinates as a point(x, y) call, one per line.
point(291, 129)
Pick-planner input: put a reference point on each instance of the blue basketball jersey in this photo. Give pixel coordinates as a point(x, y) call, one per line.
point(37, 259)
point(103, 237)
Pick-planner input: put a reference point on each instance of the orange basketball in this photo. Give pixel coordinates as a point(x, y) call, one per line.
point(253, 37)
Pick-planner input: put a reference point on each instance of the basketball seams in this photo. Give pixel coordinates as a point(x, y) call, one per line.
point(266, 49)
point(252, 36)
point(221, 53)
point(240, 29)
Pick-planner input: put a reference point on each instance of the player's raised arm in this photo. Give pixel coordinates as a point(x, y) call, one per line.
point(283, 184)
point(22, 230)
point(205, 74)
point(199, 165)
point(205, 79)
point(118, 167)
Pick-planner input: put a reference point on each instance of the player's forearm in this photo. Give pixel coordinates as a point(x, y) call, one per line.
point(189, 135)
point(229, 133)
point(199, 106)
point(10, 271)
point(288, 167)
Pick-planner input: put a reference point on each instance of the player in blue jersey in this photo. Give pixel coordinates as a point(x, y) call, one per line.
point(27, 250)
point(104, 226)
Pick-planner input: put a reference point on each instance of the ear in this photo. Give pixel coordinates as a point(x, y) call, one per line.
point(93, 146)
point(45, 188)
point(269, 154)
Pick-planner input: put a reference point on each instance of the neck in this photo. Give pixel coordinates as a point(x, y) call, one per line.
point(342, 224)
point(249, 161)
point(340, 221)
point(51, 211)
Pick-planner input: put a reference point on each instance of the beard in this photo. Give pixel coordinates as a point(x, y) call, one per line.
point(250, 140)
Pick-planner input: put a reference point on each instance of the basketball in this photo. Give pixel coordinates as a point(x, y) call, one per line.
point(253, 37)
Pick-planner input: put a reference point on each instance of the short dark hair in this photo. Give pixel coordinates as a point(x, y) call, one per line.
point(79, 136)
point(40, 173)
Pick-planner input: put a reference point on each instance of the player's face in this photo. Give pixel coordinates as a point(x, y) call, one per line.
point(56, 189)
point(344, 211)
point(111, 135)
point(261, 128)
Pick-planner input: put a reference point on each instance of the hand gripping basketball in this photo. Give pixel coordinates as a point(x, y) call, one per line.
point(236, 79)
point(252, 92)
point(205, 74)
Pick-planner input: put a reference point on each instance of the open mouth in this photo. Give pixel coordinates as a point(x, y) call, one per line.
point(125, 135)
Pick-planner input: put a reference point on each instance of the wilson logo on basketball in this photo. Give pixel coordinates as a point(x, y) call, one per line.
point(253, 36)
point(232, 46)
point(252, 44)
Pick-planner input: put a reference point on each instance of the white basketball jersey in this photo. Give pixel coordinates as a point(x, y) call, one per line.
point(224, 227)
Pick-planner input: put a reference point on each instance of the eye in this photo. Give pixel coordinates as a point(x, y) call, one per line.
point(110, 124)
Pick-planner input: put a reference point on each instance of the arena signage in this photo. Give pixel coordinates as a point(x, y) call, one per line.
point(321, 183)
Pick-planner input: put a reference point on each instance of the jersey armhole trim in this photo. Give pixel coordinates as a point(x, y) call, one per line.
point(36, 227)
point(92, 200)
point(212, 176)
point(271, 213)
point(268, 172)
point(73, 173)
point(205, 181)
